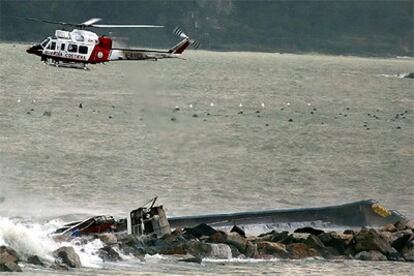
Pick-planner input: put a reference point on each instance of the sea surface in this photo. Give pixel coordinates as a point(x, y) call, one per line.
point(217, 132)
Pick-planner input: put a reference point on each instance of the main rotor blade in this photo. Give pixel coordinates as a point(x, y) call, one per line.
point(90, 21)
point(51, 22)
point(125, 26)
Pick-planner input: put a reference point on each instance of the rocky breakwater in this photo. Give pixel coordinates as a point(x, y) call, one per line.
point(393, 242)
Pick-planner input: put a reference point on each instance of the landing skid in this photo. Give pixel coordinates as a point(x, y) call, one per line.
point(73, 65)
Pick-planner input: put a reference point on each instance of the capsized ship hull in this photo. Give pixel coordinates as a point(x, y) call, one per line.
point(355, 214)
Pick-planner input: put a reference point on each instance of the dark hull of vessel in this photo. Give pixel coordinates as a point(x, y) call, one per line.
point(355, 214)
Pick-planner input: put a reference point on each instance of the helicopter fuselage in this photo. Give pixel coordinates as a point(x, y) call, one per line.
point(77, 46)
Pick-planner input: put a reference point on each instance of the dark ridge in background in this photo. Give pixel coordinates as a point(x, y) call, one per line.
point(366, 28)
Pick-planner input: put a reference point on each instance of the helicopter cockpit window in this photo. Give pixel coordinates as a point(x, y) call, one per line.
point(44, 43)
point(83, 49)
point(62, 47)
point(72, 48)
point(52, 46)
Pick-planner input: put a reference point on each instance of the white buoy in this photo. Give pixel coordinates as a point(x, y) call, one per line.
point(309, 104)
point(33, 101)
point(288, 104)
point(240, 105)
point(18, 100)
point(211, 104)
point(263, 105)
point(191, 106)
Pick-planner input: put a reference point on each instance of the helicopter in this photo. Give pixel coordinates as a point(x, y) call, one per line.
point(80, 47)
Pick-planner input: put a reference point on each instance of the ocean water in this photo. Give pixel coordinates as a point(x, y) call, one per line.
point(253, 131)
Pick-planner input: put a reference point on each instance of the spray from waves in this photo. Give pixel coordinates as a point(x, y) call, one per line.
point(29, 238)
point(399, 76)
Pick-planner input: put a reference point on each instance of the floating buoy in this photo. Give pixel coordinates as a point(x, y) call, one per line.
point(263, 105)
point(240, 105)
point(211, 104)
point(309, 104)
point(18, 100)
point(191, 106)
point(288, 104)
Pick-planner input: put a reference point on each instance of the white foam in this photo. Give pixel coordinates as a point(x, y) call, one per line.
point(29, 238)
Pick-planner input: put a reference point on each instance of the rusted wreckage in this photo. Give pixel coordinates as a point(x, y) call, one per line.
point(152, 220)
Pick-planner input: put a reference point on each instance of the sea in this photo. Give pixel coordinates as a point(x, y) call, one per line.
point(217, 132)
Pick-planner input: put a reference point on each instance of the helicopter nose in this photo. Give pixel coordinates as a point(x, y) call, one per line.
point(35, 50)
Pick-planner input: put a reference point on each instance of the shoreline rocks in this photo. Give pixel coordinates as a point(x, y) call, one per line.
point(388, 243)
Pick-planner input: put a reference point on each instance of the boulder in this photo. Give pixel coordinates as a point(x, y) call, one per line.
point(10, 267)
point(235, 240)
point(408, 251)
point(306, 238)
point(8, 254)
point(301, 250)
point(108, 238)
point(369, 239)
point(401, 224)
point(108, 254)
point(34, 259)
point(389, 228)
point(402, 241)
point(200, 230)
point(238, 230)
point(9, 259)
point(409, 76)
point(67, 255)
point(336, 240)
point(371, 255)
point(200, 250)
point(272, 248)
point(309, 230)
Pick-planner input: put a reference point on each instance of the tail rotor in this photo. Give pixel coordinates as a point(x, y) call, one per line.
point(180, 33)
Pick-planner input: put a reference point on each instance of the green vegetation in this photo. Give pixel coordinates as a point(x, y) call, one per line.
point(381, 28)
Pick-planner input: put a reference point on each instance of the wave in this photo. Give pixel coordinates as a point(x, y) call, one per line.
point(399, 76)
point(29, 238)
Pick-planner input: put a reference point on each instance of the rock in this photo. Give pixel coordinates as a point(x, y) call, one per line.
point(195, 115)
point(306, 238)
point(47, 113)
point(108, 254)
point(272, 248)
point(10, 267)
point(251, 250)
point(402, 241)
point(401, 224)
point(235, 240)
point(8, 254)
point(173, 119)
point(389, 228)
point(408, 252)
point(80, 105)
point(410, 225)
point(67, 256)
point(371, 255)
point(301, 250)
point(409, 76)
point(290, 120)
point(200, 250)
point(108, 238)
point(369, 239)
point(238, 230)
point(9, 259)
point(309, 230)
point(274, 236)
point(200, 230)
point(34, 259)
point(336, 240)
